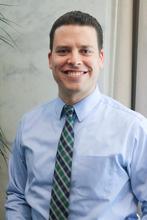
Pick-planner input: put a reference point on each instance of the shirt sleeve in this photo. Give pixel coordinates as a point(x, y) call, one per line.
point(16, 205)
point(139, 166)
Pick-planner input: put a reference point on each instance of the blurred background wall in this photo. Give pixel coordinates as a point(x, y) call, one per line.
point(25, 79)
point(141, 80)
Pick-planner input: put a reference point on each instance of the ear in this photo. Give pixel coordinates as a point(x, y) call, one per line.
point(50, 59)
point(101, 58)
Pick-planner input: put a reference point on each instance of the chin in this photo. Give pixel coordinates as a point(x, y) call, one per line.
point(75, 89)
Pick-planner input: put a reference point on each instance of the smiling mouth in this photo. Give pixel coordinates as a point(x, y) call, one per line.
point(74, 73)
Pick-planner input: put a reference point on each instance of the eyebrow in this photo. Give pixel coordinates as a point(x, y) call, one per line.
point(85, 46)
point(66, 46)
point(62, 46)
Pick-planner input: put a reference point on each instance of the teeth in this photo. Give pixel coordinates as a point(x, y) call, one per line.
point(74, 73)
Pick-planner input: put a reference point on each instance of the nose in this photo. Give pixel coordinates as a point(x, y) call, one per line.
point(74, 58)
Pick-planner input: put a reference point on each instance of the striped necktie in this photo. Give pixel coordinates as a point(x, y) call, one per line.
point(59, 204)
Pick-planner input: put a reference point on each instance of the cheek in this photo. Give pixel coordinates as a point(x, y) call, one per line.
point(96, 65)
point(52, 65)
point(58, 62)
point(56, 76)
point(92, 63)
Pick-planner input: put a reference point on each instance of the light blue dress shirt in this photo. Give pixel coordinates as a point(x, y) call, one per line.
point(109, 173)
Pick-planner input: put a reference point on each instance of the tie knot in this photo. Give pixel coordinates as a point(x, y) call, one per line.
point(68, 111)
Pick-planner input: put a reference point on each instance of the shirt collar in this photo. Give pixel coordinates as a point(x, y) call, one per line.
point(83, 107)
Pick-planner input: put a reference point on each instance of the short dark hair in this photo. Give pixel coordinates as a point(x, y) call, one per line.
point(77, 18)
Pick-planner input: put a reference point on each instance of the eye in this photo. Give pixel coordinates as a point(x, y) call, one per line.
point(86, 51)
point(62, 51)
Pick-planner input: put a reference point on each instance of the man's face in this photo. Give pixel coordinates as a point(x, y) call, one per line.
point(75, 61)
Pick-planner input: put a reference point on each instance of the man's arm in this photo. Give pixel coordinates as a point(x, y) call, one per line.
point(139, 167)
point(16, 205)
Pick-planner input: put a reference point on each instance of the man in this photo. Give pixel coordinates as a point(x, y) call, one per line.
point(108, 142)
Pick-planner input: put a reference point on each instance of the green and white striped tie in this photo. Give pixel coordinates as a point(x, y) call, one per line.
point(59, 204)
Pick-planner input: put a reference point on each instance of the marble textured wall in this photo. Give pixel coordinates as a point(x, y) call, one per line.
point(25, 80)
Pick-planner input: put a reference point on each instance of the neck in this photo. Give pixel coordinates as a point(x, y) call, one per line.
point(72, 99)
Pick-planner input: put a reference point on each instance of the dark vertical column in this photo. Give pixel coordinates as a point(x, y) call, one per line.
point(136, 4)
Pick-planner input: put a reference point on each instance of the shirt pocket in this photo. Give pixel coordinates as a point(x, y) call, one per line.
point(98, 177)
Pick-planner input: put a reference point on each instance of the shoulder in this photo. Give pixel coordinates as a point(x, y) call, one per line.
point(42, 112)
point(118, 111)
